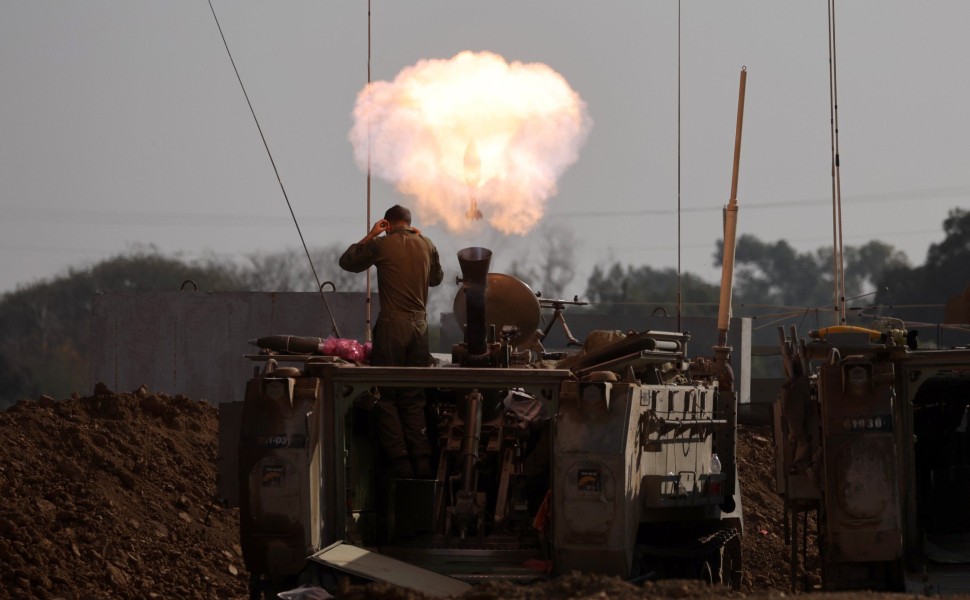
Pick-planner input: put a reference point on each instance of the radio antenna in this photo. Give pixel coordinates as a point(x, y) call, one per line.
point(837, 241)
point(367, 303)
point(326, 304)
point(680, 299)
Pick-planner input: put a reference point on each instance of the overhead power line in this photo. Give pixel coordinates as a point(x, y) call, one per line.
point(168, 217)
point(94, 216)
point(925, 194)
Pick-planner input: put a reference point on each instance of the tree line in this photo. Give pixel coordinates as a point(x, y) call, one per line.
point(46, 324)
point(773, 278)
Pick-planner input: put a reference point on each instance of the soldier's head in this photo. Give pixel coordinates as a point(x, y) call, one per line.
point(398, 214)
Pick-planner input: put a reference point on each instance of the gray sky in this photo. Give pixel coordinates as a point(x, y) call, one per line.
point(122, 123)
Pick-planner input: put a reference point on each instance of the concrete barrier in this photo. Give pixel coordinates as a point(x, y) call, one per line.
point(193, 343)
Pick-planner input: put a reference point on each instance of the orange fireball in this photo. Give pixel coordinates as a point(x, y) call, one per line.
point(472, 136)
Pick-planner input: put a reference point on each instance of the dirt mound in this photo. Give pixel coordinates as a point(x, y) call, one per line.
point(111, 496)
point(766, 562)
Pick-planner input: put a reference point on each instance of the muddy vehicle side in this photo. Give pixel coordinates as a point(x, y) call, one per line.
point(871, 435)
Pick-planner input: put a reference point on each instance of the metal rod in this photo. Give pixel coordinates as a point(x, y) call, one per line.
point(838, 263)
point(838, 165)
point(679, 282)
point(794, 549)
point(367, 224)
point(805, 542)
point(730, 225)
point(473, 434)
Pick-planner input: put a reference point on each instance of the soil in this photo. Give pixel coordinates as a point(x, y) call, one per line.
point(113, 496)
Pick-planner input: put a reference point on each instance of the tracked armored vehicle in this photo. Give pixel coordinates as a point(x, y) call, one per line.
point(871, 436)
point(617, 459)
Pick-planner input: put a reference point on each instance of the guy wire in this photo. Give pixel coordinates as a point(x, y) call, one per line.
point(326, 304)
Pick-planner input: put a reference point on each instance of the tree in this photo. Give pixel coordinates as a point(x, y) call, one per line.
point(950, 256)
point(866, 265)
point(289, 271)
point(553, 267)
point(917, 293)
point(640, 290)
point(774, 274)
point(46, 325)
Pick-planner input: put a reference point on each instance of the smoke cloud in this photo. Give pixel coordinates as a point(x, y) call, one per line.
point(472, 131)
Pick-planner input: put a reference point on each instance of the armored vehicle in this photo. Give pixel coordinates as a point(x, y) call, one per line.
point(616, 459)
point(871, 435)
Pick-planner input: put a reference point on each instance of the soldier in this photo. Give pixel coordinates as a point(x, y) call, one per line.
point(407, 264)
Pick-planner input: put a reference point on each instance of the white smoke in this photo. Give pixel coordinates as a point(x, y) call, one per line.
point(523, 120)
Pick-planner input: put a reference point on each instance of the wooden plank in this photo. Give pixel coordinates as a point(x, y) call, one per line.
point(364, 563)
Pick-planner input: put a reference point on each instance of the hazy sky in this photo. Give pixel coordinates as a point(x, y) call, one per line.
point(122, 123)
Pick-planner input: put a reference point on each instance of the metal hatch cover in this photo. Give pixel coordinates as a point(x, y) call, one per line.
point(364, 563)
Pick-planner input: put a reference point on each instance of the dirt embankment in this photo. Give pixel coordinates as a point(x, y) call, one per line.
point(111, 496)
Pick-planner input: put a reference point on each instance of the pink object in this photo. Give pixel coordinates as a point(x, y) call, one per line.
point(329, 346)
point(345, 348)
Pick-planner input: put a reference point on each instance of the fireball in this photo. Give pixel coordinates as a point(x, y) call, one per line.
point(470, 137)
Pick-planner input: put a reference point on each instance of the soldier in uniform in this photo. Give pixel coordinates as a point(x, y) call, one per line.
point(407, 264)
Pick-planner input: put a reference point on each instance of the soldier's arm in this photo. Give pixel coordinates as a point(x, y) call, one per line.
point(436, 274)
point(361, 256)
point(358, 257)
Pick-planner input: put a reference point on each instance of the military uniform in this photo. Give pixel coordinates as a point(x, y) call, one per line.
point(407, 264)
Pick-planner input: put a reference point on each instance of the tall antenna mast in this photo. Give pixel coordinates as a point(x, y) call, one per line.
point(679, 295)
point(837, 241)
point(367, 303)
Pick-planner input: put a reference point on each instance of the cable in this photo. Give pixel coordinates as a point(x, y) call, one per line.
point(326, 304)
point(960, 192)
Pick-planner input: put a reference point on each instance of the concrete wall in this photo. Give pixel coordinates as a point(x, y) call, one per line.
point(192, 343)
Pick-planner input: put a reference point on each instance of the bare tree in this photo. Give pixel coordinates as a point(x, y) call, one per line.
point(289, 271)
point(553, 266)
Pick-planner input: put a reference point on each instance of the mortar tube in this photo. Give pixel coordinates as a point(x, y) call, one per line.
point(474, 264)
